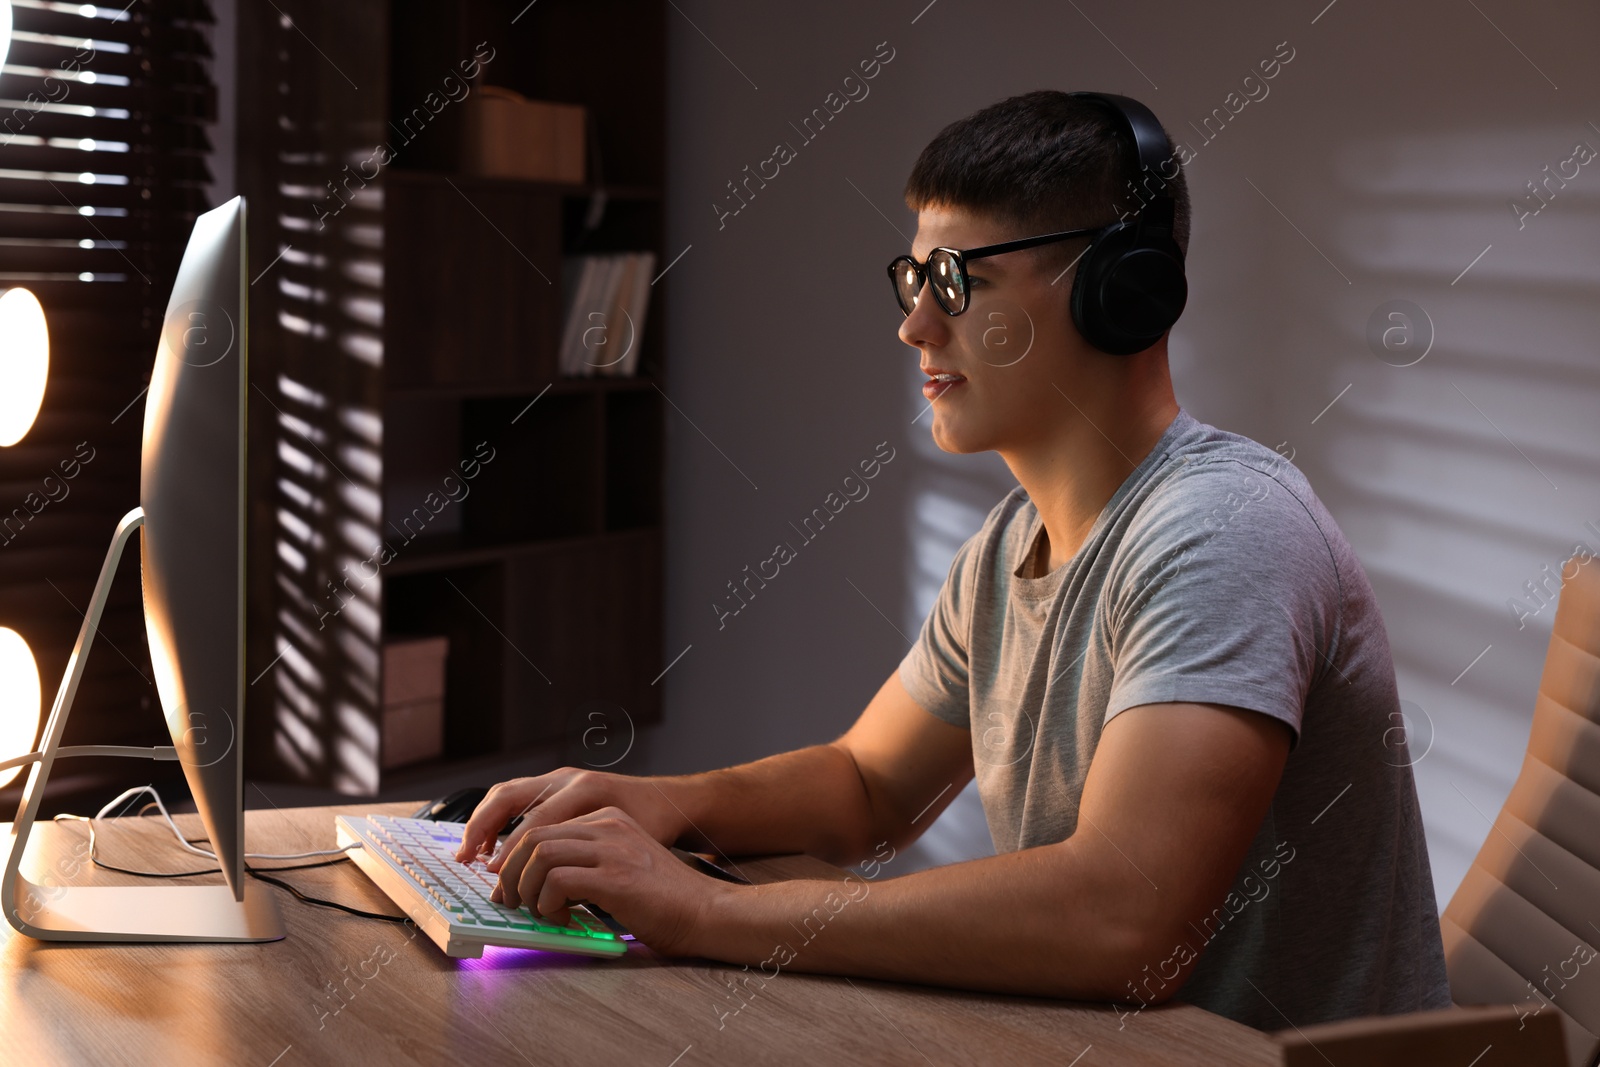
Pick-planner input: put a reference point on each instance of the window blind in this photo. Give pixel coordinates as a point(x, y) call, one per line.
point(103, 166)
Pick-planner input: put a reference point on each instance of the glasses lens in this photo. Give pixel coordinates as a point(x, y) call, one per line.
point(906, 285)
point(948, 284)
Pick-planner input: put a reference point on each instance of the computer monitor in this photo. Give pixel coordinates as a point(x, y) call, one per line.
point(191, 487)
point(192, 554)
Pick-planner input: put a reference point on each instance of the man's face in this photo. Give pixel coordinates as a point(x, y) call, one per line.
point(1015, 346)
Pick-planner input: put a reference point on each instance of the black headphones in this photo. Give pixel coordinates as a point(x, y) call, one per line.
point(1130, 287)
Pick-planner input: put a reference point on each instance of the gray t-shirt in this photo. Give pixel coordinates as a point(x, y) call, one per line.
point(1213, 575)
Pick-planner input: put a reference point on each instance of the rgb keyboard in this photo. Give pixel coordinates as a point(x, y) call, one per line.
point(413, 861)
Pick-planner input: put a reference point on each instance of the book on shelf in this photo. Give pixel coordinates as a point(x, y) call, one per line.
point(644, 264)
point(606, 299)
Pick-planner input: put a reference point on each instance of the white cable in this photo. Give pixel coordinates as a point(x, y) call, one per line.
point(164, 752)
point(136, 790)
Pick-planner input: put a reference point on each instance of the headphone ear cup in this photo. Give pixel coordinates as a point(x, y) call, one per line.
point(1126, 294)
point(1086, 282)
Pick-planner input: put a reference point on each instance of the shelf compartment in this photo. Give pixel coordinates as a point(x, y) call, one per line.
point(626, 225)
point(549, 52)
point(472, 283)
point(466, 605)
point(587, 621)
point(633, 460)
point(424, 483)
point(542, 475)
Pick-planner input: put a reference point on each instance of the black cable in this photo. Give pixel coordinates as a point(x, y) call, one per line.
point(257, 873)
point(252, 872)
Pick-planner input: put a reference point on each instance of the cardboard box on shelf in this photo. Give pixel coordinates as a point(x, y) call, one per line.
point(412, 733)
point(413, 700)
point(506, 135)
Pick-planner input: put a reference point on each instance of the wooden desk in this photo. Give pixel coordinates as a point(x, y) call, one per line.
point(401, 1001)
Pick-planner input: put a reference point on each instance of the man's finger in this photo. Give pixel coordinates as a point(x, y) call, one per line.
point(490, 814)
point(567, 883)
point(516, 858)
point(552, 812)
point(493, 812)
point(503, 849)
point(527, 867)
point(561, 809)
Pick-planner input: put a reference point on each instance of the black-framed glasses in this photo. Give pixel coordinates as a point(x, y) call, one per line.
point(946, 270)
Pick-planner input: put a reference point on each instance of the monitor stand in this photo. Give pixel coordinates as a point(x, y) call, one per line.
point(119, 913)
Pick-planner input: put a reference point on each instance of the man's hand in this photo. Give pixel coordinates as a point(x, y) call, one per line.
point(547, 799)
point(608, 859)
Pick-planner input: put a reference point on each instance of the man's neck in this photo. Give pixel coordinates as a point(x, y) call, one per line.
point(1072, 474)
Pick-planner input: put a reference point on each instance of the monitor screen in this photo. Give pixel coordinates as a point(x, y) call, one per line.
point(192, 490)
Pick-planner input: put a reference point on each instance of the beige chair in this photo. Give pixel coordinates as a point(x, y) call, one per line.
point(1494, 1036)
point(1521, 930)
point(1522, 926)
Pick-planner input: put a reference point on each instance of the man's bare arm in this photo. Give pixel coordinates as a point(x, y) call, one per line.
point(1173, 798)
point(885, 780)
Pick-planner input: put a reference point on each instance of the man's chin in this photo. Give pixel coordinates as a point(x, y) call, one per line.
point(960, 442)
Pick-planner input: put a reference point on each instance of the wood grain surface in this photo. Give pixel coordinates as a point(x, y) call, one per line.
point(352, 991)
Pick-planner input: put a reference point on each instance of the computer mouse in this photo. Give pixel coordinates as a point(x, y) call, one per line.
point(459, 806)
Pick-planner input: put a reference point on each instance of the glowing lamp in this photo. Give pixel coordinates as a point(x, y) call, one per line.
point(24, 358)
point(19, 698)
point(24, 363)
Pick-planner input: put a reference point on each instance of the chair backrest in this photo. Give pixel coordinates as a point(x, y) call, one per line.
point(1449, 1037)
point(1524, 924)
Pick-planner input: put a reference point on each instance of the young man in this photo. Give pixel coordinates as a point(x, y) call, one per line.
point(1159, 657)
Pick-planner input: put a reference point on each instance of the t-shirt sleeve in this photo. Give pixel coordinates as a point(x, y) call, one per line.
point(934, 671)
point(1224, 592)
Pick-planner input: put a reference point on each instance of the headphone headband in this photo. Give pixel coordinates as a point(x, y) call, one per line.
point(1152, 151)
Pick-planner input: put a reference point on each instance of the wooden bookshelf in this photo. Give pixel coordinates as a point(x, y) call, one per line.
point(415, 329)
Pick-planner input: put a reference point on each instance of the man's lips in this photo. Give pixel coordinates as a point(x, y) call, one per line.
point(934, 388)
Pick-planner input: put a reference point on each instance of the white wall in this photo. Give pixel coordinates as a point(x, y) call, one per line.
point(1379, 165)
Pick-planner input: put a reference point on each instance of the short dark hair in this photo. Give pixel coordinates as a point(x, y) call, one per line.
point(1041, 162)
